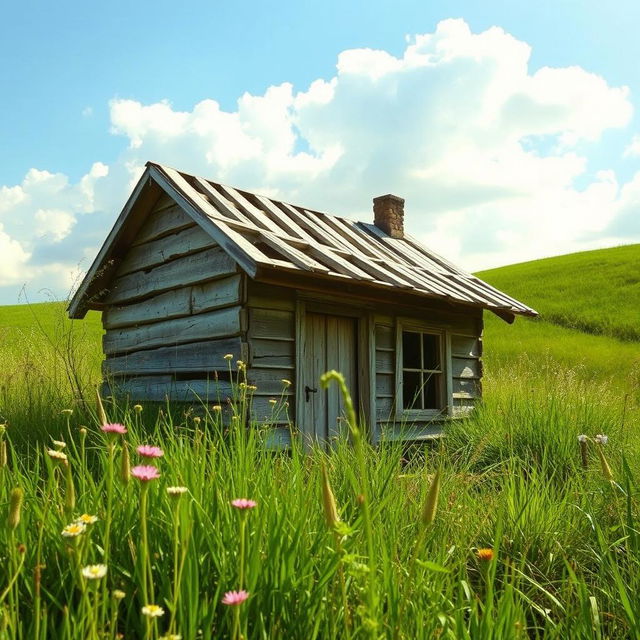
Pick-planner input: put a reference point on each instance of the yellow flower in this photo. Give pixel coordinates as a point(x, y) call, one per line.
point(58, 444)
point(85, 518)
point(94, 571)
point(137, 408)
point(285, 382)
point(118, 594)
point(273, 401)
point(66, 412)
point(73, 530)
point(216, 407)
point(485, 555)
point(152, 611)
point(228, 356)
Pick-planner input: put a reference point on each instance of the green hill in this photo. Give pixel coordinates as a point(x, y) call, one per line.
point(596, 292)
point(589, 321)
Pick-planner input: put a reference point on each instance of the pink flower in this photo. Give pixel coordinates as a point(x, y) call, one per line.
point(149, 451)
point(234, 598)
point(145, 472)
point(243, 503)
point(114, 428)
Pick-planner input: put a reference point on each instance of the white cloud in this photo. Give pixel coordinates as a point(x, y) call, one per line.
point(487, 153)
point(633, 150)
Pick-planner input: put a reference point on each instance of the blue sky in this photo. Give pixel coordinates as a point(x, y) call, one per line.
point(81, 81)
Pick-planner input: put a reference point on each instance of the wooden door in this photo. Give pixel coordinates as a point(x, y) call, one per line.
point(329, 343)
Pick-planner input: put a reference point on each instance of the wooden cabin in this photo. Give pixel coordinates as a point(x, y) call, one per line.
point(194, 270)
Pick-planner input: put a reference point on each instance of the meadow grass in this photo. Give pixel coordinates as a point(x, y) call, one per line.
point(563, 540)
point(500, 530)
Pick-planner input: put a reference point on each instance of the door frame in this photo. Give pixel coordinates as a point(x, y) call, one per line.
point(319, 304)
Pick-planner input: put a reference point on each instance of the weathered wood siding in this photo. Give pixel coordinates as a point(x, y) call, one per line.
point(271, 338)
point(174, 310)
point(462, 335)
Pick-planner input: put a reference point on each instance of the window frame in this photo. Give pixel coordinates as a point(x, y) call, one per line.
point(445, 390)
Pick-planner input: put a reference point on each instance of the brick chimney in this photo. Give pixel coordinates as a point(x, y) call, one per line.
point(388, 215)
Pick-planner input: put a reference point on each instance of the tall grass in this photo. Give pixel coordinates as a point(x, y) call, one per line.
point(564, 540)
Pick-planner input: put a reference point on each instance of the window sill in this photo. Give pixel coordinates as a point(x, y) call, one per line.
point(416, 415)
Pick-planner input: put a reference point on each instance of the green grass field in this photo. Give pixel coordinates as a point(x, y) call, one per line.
point(558, 529)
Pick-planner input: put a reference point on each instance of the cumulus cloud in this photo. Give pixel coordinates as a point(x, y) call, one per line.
point(492, 157)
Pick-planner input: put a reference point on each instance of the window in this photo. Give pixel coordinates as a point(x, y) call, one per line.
point(422, 371)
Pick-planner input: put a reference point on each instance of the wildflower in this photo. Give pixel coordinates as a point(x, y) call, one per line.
point(601, 439)
point(15, 506)
point(234, 598)
point(57, 455)
point(114, 427)
point(197, 420)
point(228, 356)
point(137, 408)
point(74, 530)
point(582, 438)
point(118, 594)
point(252, 387)
point(176, 491)
point(243, 503)
point(149, 451)
point(152, 611)
point(485, 555)
point(94, 571)
point(216, 407)
point(58, 444)
point(241, 365)
point(273, 401)
point(66, 412)
point(285, 382)
point(83, 431)
point(145, 472)
point(85, 518)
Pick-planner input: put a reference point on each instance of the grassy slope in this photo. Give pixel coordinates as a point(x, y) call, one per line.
point(587, 303)
point(597, 292)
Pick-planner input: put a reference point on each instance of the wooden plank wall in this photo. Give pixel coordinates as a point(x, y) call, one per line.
point(173, 312)
point(271, 338)
point(464, 332)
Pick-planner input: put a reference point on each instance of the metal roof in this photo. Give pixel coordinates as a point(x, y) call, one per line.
point(261, 233)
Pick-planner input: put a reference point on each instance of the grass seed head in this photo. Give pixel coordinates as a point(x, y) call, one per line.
point(125, 465)
point(15, 507)
point(431, 503)
point(328, 501)
point(102, 416)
